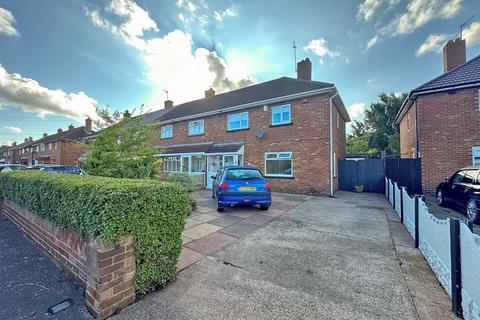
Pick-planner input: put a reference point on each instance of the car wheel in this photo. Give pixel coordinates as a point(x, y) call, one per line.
point(219, 207)
point(440, 198)
point(472, 211)
point(264, 207)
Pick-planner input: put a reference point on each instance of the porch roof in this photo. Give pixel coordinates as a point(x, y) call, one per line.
point(206, 147)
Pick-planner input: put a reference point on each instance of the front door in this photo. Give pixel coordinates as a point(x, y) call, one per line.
point(214, 163)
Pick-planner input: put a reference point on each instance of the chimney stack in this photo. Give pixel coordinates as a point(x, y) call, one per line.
point(127, 114)
point(26, 140)
point(209, 93)
point(45, 135)
point(59, 130)
point(168, 104)
point(71, 127)
point(30, 139)
point(88, 125)
point(14, 144)
point(454, 54)
point(304, 69)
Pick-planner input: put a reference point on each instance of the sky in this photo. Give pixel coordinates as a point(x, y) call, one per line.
point(61, 58)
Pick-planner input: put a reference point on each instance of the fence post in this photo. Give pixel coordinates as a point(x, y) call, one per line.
point(393, 189)
point(456, 267)
point(417, 235)
point(388, 189)
point(401, 204)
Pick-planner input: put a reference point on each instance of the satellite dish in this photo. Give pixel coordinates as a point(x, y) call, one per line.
point(260, 134)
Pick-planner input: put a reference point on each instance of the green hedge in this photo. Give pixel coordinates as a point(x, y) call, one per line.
point(153, 212)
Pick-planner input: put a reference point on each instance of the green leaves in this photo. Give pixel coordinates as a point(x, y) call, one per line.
point(123, 151)
point(153, 212)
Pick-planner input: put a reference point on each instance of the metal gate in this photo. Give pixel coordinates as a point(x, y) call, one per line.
point(370, 173)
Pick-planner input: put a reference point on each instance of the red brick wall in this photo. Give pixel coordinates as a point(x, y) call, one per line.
point(66, 153)
point(448, 129)
point(306, 137)
point(106, 270)
point(408, 134)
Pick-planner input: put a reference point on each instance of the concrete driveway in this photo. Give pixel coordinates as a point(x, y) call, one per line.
point(325, 258)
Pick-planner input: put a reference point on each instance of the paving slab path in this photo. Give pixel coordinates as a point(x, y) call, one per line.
point(326, 258)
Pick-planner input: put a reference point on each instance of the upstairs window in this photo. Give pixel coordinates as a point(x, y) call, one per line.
point(237, 121)
point(278, 164)
point(196, 127)
point(281, 115)
point(166, 132)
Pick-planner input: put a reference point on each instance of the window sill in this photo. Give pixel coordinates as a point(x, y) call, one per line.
point(167, 138)
point(196, 135)
point(281, 125)
point(235, 130)
point(279, 177)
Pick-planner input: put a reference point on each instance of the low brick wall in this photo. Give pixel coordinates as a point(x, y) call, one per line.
point(106, 270)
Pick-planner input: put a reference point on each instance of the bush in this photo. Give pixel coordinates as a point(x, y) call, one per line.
point(181, 178)
point(153, 212)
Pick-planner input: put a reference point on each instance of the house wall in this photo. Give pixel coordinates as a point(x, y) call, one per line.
point(408, 134)
point(339, 142)
point(448, 129)
point(66, 153)
point(306, 137)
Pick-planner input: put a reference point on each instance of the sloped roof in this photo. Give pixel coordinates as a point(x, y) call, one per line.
point(154, 115)
point(206, 147)
point(73, 134)
point(467, 73)
point(263, 91)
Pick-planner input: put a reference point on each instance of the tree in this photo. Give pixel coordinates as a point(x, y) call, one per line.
point(122, 150)
point(359, 144)
point(106, 118)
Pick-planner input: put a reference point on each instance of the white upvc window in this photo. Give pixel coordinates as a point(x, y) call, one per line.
point(476, 156)
point(171, 164)
point(281, 115)
point(278, 164)
point(338, 119)
point(237, 121)
point(166, 131)
point(196, 127)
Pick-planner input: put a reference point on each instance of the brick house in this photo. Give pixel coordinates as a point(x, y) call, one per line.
point(64, 147)
point(293, 130)
point(3, 154)
point(439, 119)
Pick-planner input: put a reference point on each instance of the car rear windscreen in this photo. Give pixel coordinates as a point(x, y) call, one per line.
point(243, 174)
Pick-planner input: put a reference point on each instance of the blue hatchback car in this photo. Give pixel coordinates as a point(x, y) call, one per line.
point(241, 185)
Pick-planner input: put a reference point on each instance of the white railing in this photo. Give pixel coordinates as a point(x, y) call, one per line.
point(437, 239)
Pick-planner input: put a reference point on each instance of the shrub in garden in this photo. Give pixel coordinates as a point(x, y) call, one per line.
point(152, 211)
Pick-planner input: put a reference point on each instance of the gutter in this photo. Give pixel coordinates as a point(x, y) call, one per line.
point(330, 139)
point(251, 105)
point(412, 96)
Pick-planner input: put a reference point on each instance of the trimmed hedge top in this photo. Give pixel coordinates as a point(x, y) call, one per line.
point(152, 211)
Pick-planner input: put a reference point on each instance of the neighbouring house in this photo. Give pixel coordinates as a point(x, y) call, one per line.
point(439, 120)
point(64, 147)
point(3, 154)
point(293, 130)
point(20, 152)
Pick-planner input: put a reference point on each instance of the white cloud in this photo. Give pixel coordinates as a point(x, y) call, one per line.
point(6, 23)
point(13, 129)
point(472, 33)
point(320, 48)
point(433, 43)
point(417, 13)
point(220, 15)
point(367, 9)
point(28, 94)
point(173, 64)
point(356, 110)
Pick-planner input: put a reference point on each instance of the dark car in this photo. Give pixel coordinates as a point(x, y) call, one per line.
point(63, 169)
point(462, 190)
point(241, 185)
point(10, 167)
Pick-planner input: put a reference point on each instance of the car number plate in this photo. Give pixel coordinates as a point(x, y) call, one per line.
point(247, 188)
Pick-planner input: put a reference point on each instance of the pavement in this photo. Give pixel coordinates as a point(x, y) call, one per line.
point(324, 258)
point(30, 283)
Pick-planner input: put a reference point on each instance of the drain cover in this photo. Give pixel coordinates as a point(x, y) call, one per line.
point(60, 306)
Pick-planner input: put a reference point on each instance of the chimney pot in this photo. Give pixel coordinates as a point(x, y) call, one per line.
point(71, 127)
point(127, 114)
point(26, 139)
point(59, 130)
point(45, 134)
point(168, 104)
point(30, 139)
point(454, 54)
point(88, 125)
point(304, 69)
point(209, 93)
point(14, 144)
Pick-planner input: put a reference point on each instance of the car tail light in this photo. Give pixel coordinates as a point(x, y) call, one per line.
point(223, 185)
point(267, 186)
